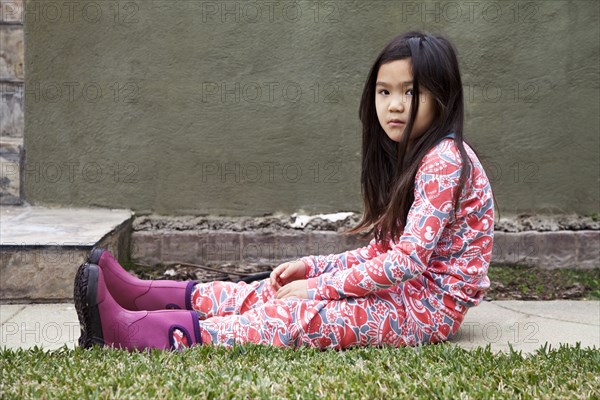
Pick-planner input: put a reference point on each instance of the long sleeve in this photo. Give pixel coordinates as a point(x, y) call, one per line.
point(317, 265)
point(436, 183)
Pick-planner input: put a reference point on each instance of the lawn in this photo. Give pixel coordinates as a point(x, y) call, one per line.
point(433, 371)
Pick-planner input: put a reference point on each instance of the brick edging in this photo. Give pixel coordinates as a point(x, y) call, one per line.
point(562, 249)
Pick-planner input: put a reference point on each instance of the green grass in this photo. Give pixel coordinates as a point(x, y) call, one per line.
point(434, 371)
point(589, 278)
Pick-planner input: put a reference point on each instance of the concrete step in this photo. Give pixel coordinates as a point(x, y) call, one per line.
point(42, 247)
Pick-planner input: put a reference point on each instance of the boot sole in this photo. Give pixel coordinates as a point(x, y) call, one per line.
point(85, 294)
point(95, 255)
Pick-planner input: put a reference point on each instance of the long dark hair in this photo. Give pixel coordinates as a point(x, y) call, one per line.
point(388, 167)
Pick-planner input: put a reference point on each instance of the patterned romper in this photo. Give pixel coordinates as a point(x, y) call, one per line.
point(413, 291)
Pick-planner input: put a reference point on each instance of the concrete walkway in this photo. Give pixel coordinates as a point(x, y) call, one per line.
point(526, 325)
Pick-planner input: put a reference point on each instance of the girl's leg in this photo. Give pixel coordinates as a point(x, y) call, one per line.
point(390, 317)
point(228, 298)
point(137, 294)
point(275, 322)
point(104, 322)
point(340, 324)
point(209, 299)
point(357, 322)
point(385, 318)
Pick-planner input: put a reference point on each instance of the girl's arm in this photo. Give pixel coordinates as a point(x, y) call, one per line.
point(436, 185)
point(317, 265)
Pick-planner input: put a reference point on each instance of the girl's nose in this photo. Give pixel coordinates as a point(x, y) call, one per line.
point(396, 105)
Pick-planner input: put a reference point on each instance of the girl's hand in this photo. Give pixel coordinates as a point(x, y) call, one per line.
point(294, 289)
point(286, 273)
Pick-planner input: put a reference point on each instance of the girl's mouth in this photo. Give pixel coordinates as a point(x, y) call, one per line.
point(396, 122)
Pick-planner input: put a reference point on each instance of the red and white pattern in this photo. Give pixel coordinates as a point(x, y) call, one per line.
point(407, 292)
point(180, 342)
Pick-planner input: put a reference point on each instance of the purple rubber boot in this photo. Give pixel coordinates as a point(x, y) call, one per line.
point(136, 294)
point(104, 322)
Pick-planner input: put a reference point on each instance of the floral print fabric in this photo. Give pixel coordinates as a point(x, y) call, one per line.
point(407, 292)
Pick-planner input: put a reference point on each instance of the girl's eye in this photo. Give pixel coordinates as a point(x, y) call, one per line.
point(383, 91)
point(409, 92)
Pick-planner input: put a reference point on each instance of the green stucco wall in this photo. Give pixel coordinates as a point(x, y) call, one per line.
point(250, 107)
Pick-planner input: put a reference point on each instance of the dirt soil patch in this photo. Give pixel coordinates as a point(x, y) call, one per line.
point(530, 283)
point(277, 222)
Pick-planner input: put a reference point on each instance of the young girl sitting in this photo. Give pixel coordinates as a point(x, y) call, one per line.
point(427, 203)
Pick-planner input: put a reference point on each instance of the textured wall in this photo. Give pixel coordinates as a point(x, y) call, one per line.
point(245, 108)
point(11, 100)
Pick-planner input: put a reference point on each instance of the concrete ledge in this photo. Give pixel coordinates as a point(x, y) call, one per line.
point(562, 249)
point(42, 248)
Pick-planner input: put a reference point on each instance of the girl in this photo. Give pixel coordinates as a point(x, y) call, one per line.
point(428, 205)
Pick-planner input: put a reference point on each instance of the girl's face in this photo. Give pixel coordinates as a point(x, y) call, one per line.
point(393, 95)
